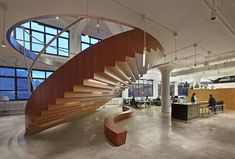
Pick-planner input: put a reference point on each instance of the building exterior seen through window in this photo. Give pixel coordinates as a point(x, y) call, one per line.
point(41, 34)
point(141, 88)
point(14, 82)
point(172, 89)
point(87, 41)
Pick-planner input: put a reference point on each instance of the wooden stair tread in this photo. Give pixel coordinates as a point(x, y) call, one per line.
point(78, 88)
point(84, 95)
point(131, 61)
point(46, 118)
point(97, 84)
point(67, 100)
point(126, 69)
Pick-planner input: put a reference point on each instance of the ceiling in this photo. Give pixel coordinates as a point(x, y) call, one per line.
point(190, 19)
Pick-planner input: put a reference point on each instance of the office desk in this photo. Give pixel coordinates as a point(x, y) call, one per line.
point(143, 103)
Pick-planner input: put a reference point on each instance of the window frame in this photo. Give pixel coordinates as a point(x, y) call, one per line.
point(88, 43)
point(57, 47)
point(145, 87)
point(16, 77)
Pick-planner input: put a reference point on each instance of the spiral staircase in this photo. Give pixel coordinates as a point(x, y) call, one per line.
point(90, 79)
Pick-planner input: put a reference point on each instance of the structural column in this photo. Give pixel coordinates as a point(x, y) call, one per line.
point(176, 88)
point(165, 88)
point(155, 89)
point(125, 93)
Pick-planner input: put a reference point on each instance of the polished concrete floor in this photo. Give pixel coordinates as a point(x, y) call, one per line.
point(151, 135)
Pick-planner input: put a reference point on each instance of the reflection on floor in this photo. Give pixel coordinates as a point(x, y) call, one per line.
point(151, 135)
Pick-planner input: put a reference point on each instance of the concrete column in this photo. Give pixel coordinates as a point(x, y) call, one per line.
point(176, 88)
point(165, 93)
point(155, 89)
point(125, 93)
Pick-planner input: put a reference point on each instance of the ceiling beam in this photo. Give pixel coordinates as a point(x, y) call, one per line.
point(205, 68)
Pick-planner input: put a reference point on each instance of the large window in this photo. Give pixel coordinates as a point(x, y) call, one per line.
point(172, 89)
point(41, 35)
point(87, 41)
point(14, 82)
point(141, 89)
point(183, 89)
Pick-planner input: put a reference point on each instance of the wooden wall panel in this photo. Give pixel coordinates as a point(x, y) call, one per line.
point(225, 94)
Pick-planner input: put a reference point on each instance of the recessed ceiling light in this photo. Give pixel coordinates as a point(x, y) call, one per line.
point(57, 17)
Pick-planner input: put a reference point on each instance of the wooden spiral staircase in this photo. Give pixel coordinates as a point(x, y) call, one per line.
point(90, 79)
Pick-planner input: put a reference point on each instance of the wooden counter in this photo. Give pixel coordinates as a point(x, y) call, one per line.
point(225, 94)
point(185, 111)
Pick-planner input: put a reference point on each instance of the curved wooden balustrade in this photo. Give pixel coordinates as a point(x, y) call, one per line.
point(90, 79)
point(116, 134)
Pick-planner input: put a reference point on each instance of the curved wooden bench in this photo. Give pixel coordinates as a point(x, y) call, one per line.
point(116, 134)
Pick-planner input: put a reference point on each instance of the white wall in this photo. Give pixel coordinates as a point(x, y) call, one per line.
point(222, 85)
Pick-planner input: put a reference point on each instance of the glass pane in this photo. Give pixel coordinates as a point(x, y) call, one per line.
point(48, 39)
point(7, 83)
point(20, 42)
point(26, 35)
point(38, 74)
point(10, 94)
point(51, 30)
point(26, 25)
point(23, 94)
point(48, 74)
point(21, 73)
point(51, 50)
point(85, 46)
point(64, 43)
point(94, 41)
point(37, 82)
point(85, 39)
point(22, 84)
point(7, 71)
point(37, 37)
point(27, 45)
point(36, 26)
point(19, 33)
point(37, 47)
point(65, 35)
point(63, 52)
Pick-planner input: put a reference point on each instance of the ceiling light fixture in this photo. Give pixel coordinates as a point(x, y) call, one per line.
point(207, 58)
point(175, 37)
point(86, 19)
point(144, 50)
point(213, 11)
point(195, 54)
point(98, 23)
point(57, 17)
point(3, 43)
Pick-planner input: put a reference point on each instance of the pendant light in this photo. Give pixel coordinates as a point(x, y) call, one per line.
point(86, 35)
point(213, 11)
point(145, 49)
point(3, 43)
point(195, 55)
point(175, 37)
point(98, 23)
